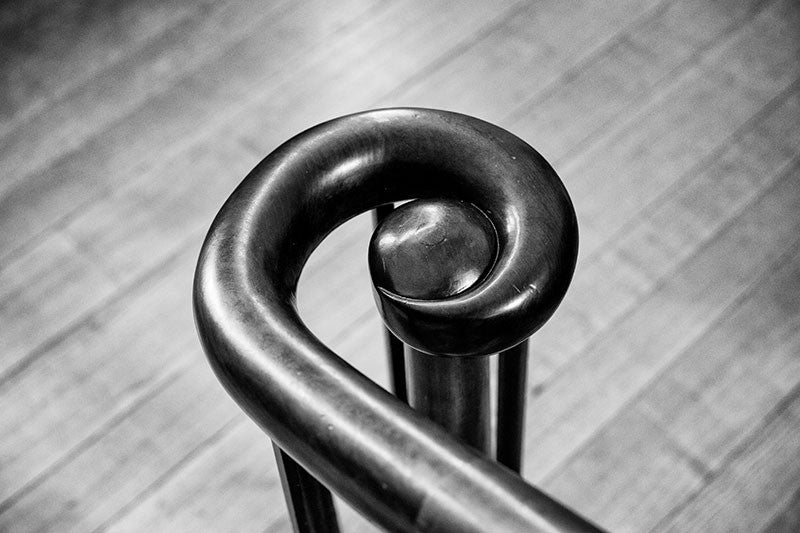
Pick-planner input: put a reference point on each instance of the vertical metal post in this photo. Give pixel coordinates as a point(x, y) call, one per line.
point(397, 371)
point(431, 250)
point(453, 392)
point(512, 378)
point(310, 504)
point(397, 366)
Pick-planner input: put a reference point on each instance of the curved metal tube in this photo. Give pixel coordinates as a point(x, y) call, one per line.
point(394, 466)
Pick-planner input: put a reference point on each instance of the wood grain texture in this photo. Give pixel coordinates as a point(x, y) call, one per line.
point(788, 519)
point(44, 292)
point(686, 218)
point(691, 119)
point(165, 122)
point(758, 482)
point(623, 359)
point(717, 393)
point(650, 475)
point(114, 92)
point(47, 60)
point(76, 496)
point(533, 46)
point(703, 408)
point(101, 368)
point(215, 487)
point(664, 391)
point(659, 48)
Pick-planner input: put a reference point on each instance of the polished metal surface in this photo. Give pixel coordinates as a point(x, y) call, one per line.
point(310, 505)
point(395, 466)
point(530, 213)
point(394, 347)
point(453, 392)
point(512, 378)
point(432, 249)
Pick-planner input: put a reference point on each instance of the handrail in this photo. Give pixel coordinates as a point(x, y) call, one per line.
point(396, 467)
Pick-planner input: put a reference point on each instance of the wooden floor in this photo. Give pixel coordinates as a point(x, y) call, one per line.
point(664, 394)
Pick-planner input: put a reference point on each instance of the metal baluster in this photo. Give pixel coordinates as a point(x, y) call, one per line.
point(397, 371)
point(310, 504)
point(431, 250)
point(511, 385)
point(453, 391)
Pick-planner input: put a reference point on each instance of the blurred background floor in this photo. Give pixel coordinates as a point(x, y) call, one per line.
point(664, 394)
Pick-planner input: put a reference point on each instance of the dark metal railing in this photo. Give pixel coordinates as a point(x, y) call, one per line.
point(473, 266)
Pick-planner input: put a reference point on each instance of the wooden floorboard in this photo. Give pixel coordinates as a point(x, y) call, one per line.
point(700, 409)
point(65, 123)
point(533, 47)
point(683, 124)
point(629, 476)
point(663, 391)
point(163, 123)
point(761, 479)
point(788, 519)
point(659, 48)
point(625, 357)
point(95, 372)
point(646, 251)
point(50, 59)
point(40, 296)
point(716, 393)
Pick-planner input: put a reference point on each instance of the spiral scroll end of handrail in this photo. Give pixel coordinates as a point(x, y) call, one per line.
point(517, 253)
point(453, 277)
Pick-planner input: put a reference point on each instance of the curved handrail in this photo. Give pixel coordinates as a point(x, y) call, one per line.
point(393, 465)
